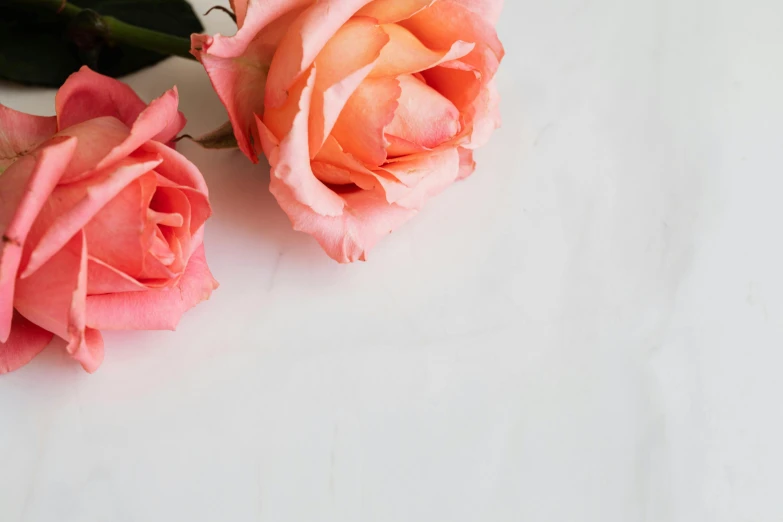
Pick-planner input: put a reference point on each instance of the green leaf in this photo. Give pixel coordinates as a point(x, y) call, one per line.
point(38, 47)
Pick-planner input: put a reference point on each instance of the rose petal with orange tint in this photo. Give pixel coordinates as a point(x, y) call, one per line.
point(360, 127)
point(341, 67)
point(423, 117)
point(405, 54)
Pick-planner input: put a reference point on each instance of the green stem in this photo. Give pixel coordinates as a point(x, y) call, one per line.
point(124, 33)
point(147, 39)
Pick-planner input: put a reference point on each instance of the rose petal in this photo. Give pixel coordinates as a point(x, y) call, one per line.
point(360, 127)
point(155, 309)
point(466, 163)
point(344, 165)
point(400, 147)
point(349, 230)
point(20, 133)
point(290, 160)
point(460, 86)
point(240, 10)
point(173, 201)
point(405, 54)
point(86, 95)
point(25, 342)
point(423, 117)
point(97, 138)
point(238, 66)
point(119, 233)
point(304, 40)
point(24, 190)
point(489, 10)
point(347, 237)
point(105, 279)
point(160, 121)
point(200, 209)
point(433, 172)
point(342, 65)
point(97, 194)
point(160, 249)
point(258, 16)
point(445, 23)
point(176, 167)
point(390, 11)
point(54, 299)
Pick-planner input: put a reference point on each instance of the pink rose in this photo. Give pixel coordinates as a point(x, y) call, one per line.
point(365, 109)
point(102, 221)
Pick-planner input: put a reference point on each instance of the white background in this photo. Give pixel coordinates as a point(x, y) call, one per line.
point(588, 329)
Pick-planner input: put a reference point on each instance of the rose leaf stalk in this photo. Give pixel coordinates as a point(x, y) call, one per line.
point(113, 30)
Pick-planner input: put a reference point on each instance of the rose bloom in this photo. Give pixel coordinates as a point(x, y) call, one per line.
point(364, 109)
point(102, 221)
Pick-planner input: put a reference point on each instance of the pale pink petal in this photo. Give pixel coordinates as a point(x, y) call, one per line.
point(489, 10)
point(155, 309)
point(466, 163)
point(290, 160)
point(405, 54)
point(390, 11)
point(304, 40)
point(20, 133)
point(477, 101)
point(423, 117)
point(347, 237)
point(24, 190)
point(25, 342)
point(445, 23)
point(433, 173)
point(360, 126)
point(86, 95)
point(485, 115)
point(238, 66)
point(347, 231)
point(342, 164)
point(97, 195)
point(258, 15)
point(341, 66)
point(401, 147)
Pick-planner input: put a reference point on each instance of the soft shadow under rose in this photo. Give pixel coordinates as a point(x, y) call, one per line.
point(102, 221)
point(364, 109)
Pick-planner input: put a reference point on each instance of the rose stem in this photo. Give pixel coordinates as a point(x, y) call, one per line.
point(120, 32)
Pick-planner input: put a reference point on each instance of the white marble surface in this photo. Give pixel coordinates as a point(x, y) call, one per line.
point(589, 329)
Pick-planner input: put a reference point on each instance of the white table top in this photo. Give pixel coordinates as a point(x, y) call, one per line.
point(588, 329)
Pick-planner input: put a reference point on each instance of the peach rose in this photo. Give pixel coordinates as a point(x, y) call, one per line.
point(102, 222)
point(364, 109)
